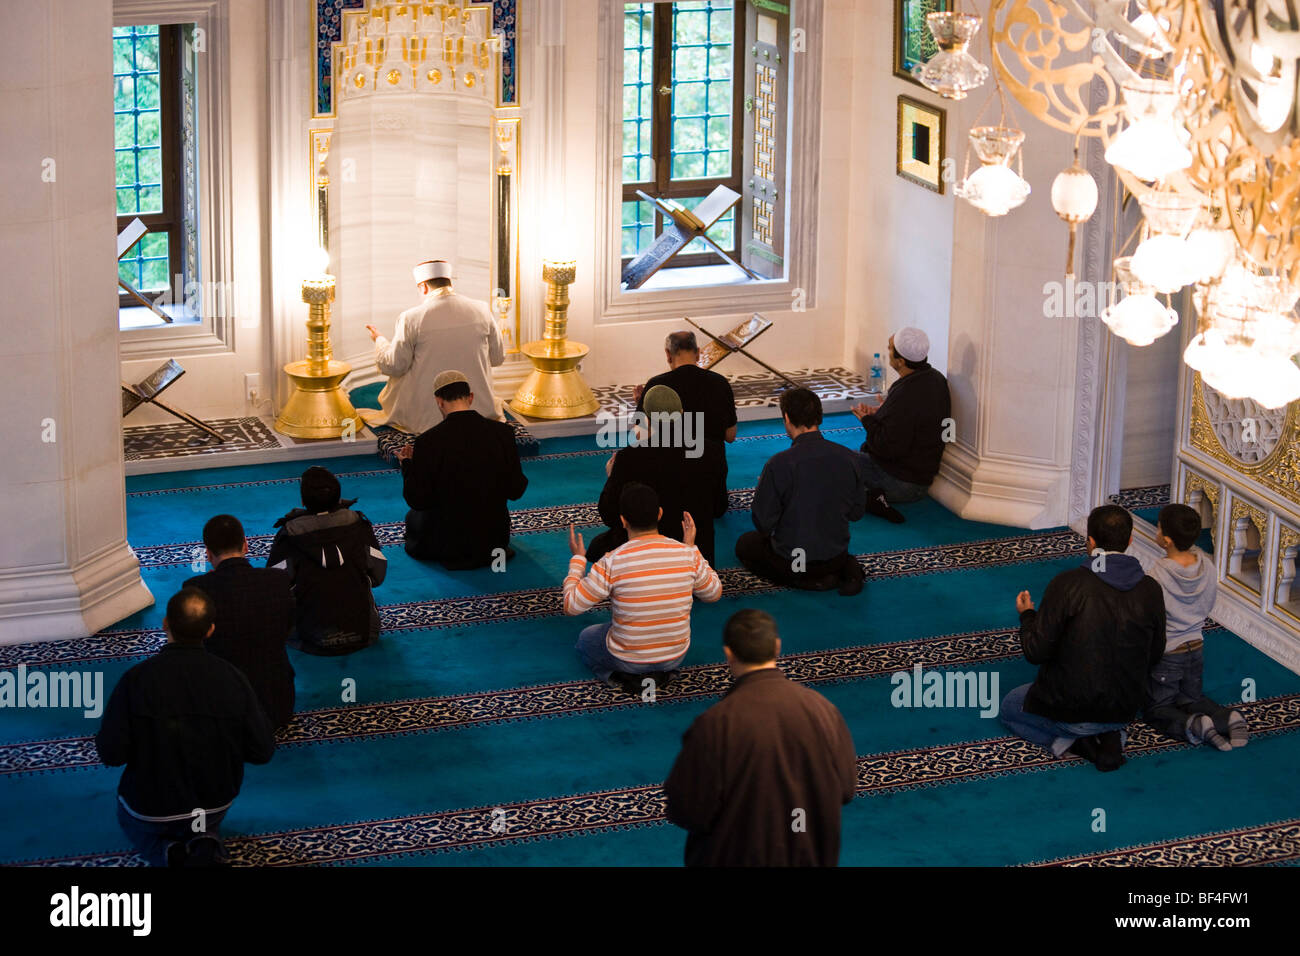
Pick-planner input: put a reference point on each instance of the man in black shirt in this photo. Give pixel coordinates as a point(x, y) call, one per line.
point(693, 480)
point(184, 723)
point(907, 433)
point(701, 390)
point(763, 773)
point(806, 497)
point(254, 615)
point(1099, 632)
point(457, 478)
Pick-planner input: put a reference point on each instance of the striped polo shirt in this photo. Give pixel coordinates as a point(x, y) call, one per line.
point(649, 582)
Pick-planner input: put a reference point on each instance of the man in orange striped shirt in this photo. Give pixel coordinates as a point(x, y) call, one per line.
point(650, 582)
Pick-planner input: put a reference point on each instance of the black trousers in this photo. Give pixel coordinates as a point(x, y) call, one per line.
point(1174, 696)
point(755, 552)
point(423, 545)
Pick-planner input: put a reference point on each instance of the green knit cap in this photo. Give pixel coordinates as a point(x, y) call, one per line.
point(662, 400)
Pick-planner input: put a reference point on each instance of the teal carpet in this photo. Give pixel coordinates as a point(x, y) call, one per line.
point(476, 737)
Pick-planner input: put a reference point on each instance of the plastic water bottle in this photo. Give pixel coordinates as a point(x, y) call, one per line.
point(877, 378)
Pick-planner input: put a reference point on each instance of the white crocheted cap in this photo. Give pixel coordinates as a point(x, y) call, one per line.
point(912, 344)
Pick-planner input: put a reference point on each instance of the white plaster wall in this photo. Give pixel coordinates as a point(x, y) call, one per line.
point(1150, 412)
point(899, 251)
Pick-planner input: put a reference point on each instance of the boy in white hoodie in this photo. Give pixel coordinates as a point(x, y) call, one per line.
point(1175, 703)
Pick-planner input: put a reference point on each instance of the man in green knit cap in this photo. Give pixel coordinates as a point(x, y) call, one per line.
point(686, 470)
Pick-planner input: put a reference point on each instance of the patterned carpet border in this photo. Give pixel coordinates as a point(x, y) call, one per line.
point(1148, 497)
point(392, 534)
point(427, 714)
point(179, 439)
point(381, 472)
point(259, 483)
point(538, 603)
point(1269, 843)
point(621, 809)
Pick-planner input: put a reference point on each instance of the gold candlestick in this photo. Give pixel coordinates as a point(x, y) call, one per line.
point(317, 408)
point(554, 388)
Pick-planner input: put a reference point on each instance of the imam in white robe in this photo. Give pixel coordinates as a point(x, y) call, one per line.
point(445, 331)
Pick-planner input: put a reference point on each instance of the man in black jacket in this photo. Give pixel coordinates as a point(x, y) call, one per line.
point(685, 479)
point(763, 773)
point(1100, 631)
point(457, 478)
point(701, 390)
point(907, 433)
point(333, 559)
point(806, 497)
point(184, 722)
point(254, 615)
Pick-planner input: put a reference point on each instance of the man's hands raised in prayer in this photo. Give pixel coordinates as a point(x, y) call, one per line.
point(575, 542)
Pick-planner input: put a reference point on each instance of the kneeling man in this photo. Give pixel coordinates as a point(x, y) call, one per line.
point(446, 330)
point(457, 477)
point(806, 497)
point(905, 433)
point(1100, 631)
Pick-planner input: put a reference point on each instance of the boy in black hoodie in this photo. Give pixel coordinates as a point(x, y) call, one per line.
point(333, 559)
point(1100, 631)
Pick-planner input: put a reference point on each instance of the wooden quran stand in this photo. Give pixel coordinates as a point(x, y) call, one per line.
point(147, 392)
point(127, 238)
point(681, 227)
point(735, 341)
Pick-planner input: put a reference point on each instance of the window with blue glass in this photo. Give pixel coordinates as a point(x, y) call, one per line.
point(147, 136)
point(681, 127)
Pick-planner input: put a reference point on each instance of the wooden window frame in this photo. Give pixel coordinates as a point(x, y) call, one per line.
point(171, 219)
point(663, 185)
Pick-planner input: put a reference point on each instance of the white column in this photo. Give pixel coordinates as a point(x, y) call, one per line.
point(1011, 367)
point(65, 568)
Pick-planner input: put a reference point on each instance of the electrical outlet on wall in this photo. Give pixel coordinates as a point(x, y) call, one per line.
point(253, 387)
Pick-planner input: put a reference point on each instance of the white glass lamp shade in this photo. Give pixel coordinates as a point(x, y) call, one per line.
point(1164, 263)
point(952, 72)
point(1139, 318)
point(1155, 143)
point(994, 190)
point(1232, 371)
point(1074, 194)
point(1276, 381)
point(1277, 333)
point(1211, 249)
point(1150, 150)
point(1204, 351)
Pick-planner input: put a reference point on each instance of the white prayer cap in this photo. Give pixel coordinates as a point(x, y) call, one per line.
point(912, 344)
point(433, 269)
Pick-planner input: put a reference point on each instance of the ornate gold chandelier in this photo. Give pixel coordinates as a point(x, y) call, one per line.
point(1198, 107)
